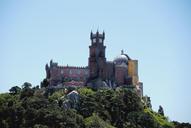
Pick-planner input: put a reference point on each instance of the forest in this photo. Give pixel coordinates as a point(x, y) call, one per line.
point(79, 107)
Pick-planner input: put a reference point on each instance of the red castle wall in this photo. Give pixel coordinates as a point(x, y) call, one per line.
point(57, 74)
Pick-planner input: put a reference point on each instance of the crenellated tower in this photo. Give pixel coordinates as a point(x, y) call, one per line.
point(97, 60)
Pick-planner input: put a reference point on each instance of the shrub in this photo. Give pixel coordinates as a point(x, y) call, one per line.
point(56, 95)
point(95, 121)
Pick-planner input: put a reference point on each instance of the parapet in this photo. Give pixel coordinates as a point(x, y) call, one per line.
point(53, 64)
point(73, 67)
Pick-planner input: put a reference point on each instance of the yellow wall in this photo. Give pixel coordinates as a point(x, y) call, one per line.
point(133, 70)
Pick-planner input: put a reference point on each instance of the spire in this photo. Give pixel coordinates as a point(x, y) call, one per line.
point(91, 34)
point(103, 34)
point(122, 52)
point(97, 33)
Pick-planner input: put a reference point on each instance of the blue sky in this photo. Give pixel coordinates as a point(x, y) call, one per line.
point(157, 33)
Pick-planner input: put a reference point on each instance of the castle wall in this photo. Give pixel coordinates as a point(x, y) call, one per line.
point(133, 71)
point(75, 73)
point(140, 89)
point(120, 73)
point(60, 74)
point(109, 70)
point(133, 67)
point(93, 67)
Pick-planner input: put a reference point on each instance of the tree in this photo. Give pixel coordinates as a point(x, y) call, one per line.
point(85, 91)
point(181, 125)
point(26, 92)
point(142, 120)
point(15, 90)
point(104, 108)
point(95, 121)
point(40, 126)
point(56, 95)
point(160, 110)
point(44, 83)
point(26, 85)
point(87, 105)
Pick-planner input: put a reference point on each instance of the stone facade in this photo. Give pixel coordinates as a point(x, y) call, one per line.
point(67, 75)
point(122, 71)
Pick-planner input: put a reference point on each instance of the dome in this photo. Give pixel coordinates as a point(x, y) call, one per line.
point(123, 58)
point(122, 65)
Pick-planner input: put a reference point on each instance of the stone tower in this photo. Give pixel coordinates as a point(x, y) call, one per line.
point(97, 60)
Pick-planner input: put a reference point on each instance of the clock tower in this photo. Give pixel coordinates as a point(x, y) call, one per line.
point(97, 60)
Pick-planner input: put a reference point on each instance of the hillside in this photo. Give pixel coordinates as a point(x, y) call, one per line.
point(78, 108)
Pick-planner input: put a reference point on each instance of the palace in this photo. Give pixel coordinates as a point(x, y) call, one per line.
point(122, 71)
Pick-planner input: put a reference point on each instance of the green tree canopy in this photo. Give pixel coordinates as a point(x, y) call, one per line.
point(14, 90)
point(26, 85)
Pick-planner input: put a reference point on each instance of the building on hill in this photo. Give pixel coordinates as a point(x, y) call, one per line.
point(122, 71)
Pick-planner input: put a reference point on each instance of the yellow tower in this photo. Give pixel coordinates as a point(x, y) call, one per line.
point(133, 71)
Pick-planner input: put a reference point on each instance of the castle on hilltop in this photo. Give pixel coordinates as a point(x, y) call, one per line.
point(122, 71)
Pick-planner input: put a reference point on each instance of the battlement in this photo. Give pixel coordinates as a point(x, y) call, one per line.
point(97, 38)
point(73, 67)
point(53, 64)
point(97, 35)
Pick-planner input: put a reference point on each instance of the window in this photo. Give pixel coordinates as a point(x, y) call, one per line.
point(62, 71)
point(100, 40)
point(70, 72)
point(78, 72)
point(94, 40)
